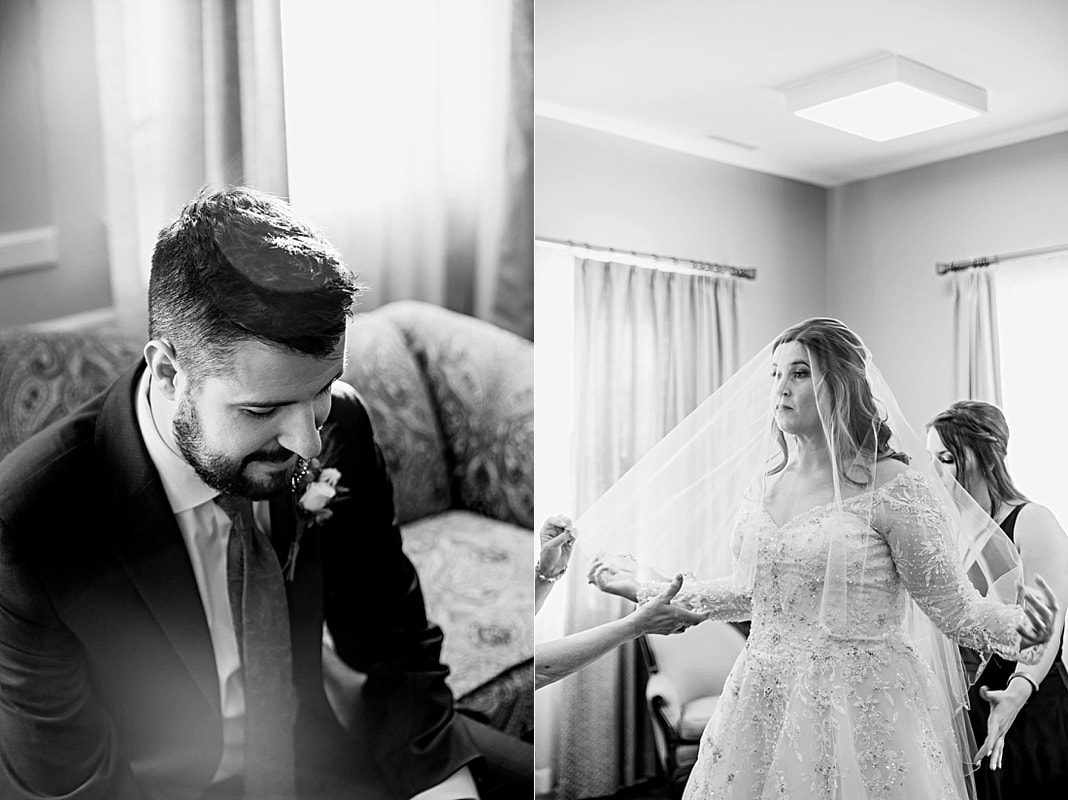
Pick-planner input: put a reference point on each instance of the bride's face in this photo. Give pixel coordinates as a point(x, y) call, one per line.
point(793, 391)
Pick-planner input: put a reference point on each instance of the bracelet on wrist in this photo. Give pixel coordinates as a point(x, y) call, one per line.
point(1028, 678)
point(548, 578)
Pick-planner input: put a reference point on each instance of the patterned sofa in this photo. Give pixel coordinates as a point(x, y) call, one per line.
point(452, 400)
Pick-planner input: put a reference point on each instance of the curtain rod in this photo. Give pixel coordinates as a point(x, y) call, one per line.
point(957, 266)
point(749, 273)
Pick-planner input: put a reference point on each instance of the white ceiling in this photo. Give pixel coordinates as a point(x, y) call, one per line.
point(676, 72)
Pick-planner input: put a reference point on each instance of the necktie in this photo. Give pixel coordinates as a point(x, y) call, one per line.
point(261, 621)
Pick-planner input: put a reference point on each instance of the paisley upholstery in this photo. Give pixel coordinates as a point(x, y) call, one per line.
point(474, 571)
point(45, 376)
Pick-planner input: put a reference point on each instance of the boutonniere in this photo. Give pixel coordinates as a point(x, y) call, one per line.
point(315, 488)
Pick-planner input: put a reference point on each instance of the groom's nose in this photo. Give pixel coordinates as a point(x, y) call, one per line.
point(300, 432)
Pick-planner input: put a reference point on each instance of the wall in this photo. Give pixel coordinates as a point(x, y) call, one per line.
point(22, 156)
point(610, 191)
point(51, 159)
point(886, 234)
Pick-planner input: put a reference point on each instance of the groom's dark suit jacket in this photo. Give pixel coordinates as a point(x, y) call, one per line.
point(108, 685)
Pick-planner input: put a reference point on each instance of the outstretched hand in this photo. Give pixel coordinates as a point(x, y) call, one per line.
point(660, 616)
point(1040, 610)
point(616, 575)
point(557, 538)
point(1004, 706)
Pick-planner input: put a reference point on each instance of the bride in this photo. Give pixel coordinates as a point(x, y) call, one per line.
point(820, 520)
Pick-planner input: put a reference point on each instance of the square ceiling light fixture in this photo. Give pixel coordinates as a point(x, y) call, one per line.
point(886, 98)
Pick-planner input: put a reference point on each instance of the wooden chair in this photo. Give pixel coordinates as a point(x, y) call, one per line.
point(687, 672)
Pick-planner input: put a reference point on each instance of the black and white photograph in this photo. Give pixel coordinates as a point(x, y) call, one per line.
point(266, 399)
point(278, 450)
point(800, 269)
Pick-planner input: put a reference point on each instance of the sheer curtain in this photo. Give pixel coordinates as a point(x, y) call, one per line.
point(190, 93)
point(649, 346)
point(513, 306)
point(975, 343)
point(397, 118)
point(404, 129)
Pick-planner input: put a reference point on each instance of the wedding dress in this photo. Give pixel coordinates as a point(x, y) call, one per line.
point(808, 713)
point(850, 686)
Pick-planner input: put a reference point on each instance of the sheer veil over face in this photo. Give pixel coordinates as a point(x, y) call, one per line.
point(814, 392)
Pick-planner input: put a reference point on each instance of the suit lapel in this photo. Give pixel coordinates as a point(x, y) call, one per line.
point(304, 592)
point(146, 541)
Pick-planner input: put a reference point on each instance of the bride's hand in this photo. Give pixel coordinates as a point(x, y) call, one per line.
point(1040, 613)
point(615, 575)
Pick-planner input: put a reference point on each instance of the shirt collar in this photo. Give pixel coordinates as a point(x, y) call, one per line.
point(184, 488)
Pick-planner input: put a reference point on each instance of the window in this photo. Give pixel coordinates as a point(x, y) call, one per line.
point(1031, 299)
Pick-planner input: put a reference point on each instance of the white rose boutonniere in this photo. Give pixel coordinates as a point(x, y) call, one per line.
point(316, 489)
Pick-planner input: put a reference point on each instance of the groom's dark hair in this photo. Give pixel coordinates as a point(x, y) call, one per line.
point(236, 265)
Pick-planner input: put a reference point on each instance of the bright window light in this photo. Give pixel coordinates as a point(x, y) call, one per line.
point(1030, 298)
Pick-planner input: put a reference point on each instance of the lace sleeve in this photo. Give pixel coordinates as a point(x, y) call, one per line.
point(718, 598)
point(915, 526)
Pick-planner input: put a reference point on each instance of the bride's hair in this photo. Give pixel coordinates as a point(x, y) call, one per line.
point(857, 429)
point(981, 428)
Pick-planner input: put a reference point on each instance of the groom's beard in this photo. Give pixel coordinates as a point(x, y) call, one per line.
point(222, 472)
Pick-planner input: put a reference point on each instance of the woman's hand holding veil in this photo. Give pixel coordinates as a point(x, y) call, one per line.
point(557, 538)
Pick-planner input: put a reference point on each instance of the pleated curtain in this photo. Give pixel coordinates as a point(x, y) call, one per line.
point(650, 345)
point(977, 358)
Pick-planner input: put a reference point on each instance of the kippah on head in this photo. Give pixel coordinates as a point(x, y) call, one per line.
point(236, 265)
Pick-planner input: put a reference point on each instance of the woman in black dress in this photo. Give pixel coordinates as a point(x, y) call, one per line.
point(1019, 713)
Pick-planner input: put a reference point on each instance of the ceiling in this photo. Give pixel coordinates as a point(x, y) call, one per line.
point(705, 76)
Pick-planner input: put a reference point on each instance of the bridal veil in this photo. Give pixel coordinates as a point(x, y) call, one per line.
point(678, 508)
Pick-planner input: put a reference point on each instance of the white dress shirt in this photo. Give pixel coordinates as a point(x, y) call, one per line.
point(205, 529)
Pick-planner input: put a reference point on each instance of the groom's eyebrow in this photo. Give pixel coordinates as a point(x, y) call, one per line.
point(332, 381)
point(283, 403)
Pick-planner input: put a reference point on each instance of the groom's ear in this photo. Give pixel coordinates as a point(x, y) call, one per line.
point(166, 373)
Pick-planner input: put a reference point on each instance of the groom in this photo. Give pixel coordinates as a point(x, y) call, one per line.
point(163, 591)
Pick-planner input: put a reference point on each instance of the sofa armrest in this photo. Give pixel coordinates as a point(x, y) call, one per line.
point(481, 379)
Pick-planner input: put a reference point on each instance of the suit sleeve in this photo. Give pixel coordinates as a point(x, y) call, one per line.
point(376, 615)
point(54, 739)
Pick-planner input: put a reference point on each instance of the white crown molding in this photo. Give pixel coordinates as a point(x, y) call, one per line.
point(754, 160)
point(691, 145)
point(961, 149)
